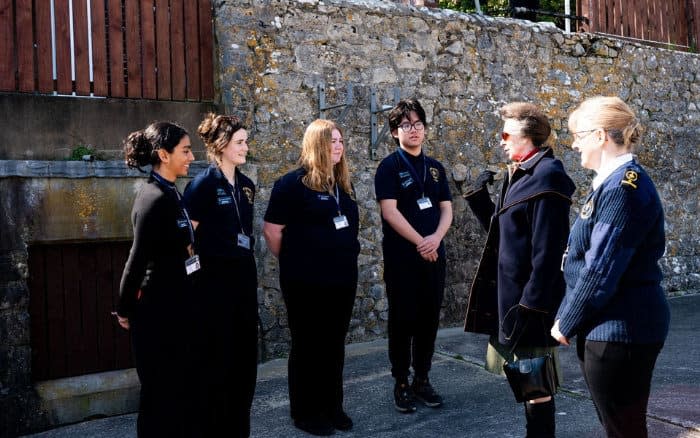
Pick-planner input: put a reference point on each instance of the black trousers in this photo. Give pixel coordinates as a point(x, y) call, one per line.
point(162, 355)
point(415, 289)
point(619, 379)
point(318, 317)
point(226, 346)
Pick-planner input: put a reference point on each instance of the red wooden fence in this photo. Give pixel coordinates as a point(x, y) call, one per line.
point(674, 22)
point(147, 49)
point(72, 290)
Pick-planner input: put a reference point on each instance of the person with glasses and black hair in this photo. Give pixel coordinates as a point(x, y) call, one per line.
point(518, 285)
point(614, 302)
point(225, 313)
point(157, 285)
point(416, 208)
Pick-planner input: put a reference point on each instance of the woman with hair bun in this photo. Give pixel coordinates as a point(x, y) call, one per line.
point(220, 203)
point(156, 285)
point(614, 301)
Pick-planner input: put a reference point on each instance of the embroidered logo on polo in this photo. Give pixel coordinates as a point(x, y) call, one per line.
point(587, 210)
point(435, 174)
point(406, 179)
point(248, 192)
point(630, 178)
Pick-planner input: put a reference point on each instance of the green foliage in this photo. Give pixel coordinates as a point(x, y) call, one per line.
point(81, 150)
point(499, 8)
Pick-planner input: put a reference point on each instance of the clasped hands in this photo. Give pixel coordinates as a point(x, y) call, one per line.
point(428, 247)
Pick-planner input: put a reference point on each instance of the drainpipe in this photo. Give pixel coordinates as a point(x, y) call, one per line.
point(567, 21)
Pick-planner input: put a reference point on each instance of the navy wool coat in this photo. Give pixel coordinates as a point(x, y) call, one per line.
point(519, 285)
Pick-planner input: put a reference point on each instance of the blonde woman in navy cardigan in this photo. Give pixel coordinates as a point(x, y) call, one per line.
point(614, 302)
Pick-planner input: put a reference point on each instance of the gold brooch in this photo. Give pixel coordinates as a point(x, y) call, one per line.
point(630, 178)
point(248, 194)
point(435, 174)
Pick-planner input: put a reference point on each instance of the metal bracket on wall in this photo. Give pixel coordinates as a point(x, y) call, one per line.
point(375, 109)
point(322, 107)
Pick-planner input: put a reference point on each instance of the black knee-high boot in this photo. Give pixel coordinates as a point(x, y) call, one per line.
point(540, 419)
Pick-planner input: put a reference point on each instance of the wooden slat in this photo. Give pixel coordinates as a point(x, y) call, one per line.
point(44, 57)
point(602, 15)
point(100, 82)
point(206, 51)
point(133, 48)
point(163, 49)
point(64, 80)
point(117, 85)
point(55, 313)
point(25, 45)
point(122, 339)
point(37, 313)
point(177, 46)
point(88, 308)
point(75, 346)
point(696, 25)
point(148, 50)
point(105, 321)
point(620, 18)
point(81, 48)
point(681, 30)
point(192, 50)
point(7, 47)
point(643, 30)
point(613, 23)
point(634, 16)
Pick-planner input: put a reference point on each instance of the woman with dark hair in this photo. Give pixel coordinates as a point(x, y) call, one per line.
point(614, 301)
point(156, 286)
point(311, 225)
point(518, 284)
point(220, 203)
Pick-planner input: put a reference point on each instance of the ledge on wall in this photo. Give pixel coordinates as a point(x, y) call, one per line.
point(75, 399)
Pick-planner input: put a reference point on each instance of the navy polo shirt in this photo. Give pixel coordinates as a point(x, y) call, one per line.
point(312, 249)
point(222, 211)
point(406, 178)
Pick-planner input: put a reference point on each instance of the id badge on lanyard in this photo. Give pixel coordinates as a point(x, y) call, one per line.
point(340, 222)
point(243, 241)
point(424, 203)
point(192, 264)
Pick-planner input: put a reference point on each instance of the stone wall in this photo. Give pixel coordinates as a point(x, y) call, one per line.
point(274, 56)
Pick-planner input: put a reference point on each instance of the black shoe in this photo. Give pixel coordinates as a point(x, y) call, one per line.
point(403, 398)
point(424, 391)
point(315, 426)
point(341, 421)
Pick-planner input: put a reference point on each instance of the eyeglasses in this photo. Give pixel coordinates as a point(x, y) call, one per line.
point(418, 126)
point(577, 135)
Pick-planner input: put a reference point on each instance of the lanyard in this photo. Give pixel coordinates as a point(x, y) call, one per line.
point(337, 198)
point(168, 185)
point(413, 171)
point(235, 190)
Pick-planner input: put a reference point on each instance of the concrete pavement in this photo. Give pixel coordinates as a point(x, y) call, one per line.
point(477, 403)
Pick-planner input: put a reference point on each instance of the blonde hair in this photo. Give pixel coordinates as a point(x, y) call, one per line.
point(216, 132)
point(612, 115)
point(321, 174)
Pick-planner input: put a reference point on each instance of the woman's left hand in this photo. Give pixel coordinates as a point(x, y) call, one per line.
point(556, 334)
point(428, 245)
